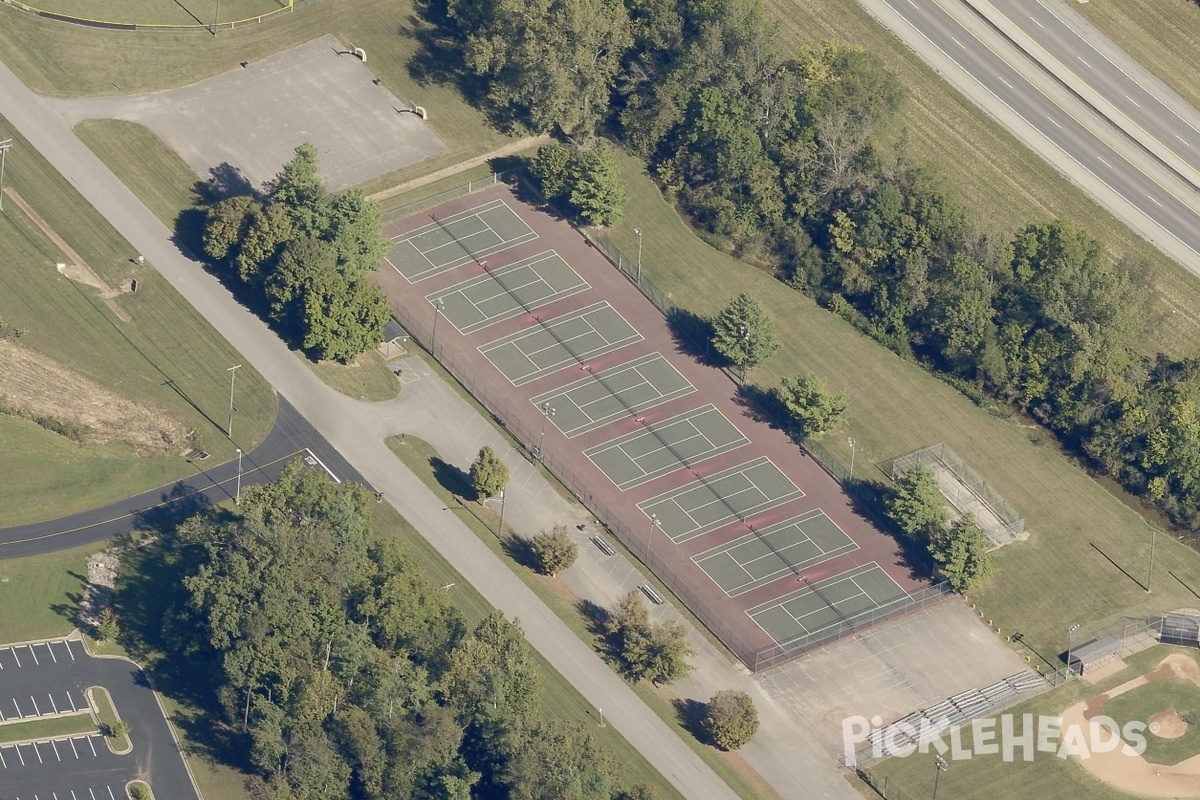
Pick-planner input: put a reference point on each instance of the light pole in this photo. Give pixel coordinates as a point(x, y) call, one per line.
point(439, 306)
point(745, 351)
point(851, 441)
point(217, 19)
point(1150, 572)
point(5, 146)
point(638, 231)
point(655, 522)
point(237, 498)
point(232, 377)
point(1074, 626)
point(501, 513)
point(940, 764)
point(547, 413)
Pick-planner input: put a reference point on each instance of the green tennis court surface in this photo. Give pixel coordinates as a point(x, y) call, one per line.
point(508, 292)
point(666, 446)
point(844, 598)
point(565, 340)
point(456, 240)
point(617, 392)
point(735, 493)
point(786, 548)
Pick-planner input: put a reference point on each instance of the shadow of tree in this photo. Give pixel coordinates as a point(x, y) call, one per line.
point(763, 405)
point(452, 479)
point(691, 714)
point(870, 499)
point(693, 336)
point(180, 503)
point(520, 550)
point(596, 618)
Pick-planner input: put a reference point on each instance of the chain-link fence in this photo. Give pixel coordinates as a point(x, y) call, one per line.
point(638, 543)
point(416, 206)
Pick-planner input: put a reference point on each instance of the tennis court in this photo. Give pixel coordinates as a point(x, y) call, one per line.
point(666, 446)
point(508, 292)
point(842, 599)
point(565, 340)
point(458, 239)
point(617, 392)
point(786, 548)
point(707, 504)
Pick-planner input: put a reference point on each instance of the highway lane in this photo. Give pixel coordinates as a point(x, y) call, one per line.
point(1081, 56)
point(997, 72)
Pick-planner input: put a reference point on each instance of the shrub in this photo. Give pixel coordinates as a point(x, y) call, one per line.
point(731, 719)
point(554, 550)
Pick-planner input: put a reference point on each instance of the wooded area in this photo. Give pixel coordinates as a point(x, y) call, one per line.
point(349, 674)
point(781, 156)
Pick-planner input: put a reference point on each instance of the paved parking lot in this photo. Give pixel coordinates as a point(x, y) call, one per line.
point(48, 678)
point(36, 680)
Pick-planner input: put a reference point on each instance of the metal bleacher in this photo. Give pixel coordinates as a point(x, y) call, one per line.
point(930, 723)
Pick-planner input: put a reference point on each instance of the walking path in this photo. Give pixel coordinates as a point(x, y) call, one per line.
point(358, 433)
point(462, 166)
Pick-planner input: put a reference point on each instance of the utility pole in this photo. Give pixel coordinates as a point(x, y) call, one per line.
point(232, 377)
point(5, 146)
point(1074, 626)
point(1150, 572)
point(655, 522)
point(501, 513)
point(547, 413)
point(851, 441)
point(237, 498)
point(940, 764)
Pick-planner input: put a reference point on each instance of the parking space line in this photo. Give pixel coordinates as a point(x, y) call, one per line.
point(51, 649)
point(54, 747)
point(72, 699)
point(68, 644)
point(73, 749)
point(18, 708)
point(110, 794)
point(89, 741)
point(93, 794)
point(52, 703)
point(32, 655)
point(39, 753)
point(3, 763)
point(13, 650)
point(36, 713)
point(18, 749)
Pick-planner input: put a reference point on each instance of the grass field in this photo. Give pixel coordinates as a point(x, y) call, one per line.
point(47, 728)
point(1160, 695)
point(1162, 35)
point(161, 180)
point(420, 457)
point(167, 344)
point(986, 777)
point(159, 12)
point(1062, 573)
point(39, 594)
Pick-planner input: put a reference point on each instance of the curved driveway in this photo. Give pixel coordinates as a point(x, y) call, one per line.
point(358, 432)
point(291, 437)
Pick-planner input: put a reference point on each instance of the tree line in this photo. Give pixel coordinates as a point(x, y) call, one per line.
point(349, 675)
point(788, 155)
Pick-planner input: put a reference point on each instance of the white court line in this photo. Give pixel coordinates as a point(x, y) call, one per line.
point(1089, 66)
point(1040, 25)
point(1160, 205)
point(437, 223)
point(1185, 141)
point(957, 42)
point(1054, 122)
point(1006, 83)
point(1105, 163)
point(1135, 102)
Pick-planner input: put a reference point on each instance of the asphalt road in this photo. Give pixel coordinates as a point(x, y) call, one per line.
point(291, 438)
point(1057, 124)
point(80, 764)
point(1071, 48)
point(356, 431)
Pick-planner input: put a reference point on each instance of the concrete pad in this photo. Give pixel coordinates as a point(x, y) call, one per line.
point(253, 118)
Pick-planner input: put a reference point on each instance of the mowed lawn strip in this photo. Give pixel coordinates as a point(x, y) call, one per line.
point(47, 728)
point(161, 180)
point(39, 594)
point(168, 358)
point(424, 461)
point(1062, 574)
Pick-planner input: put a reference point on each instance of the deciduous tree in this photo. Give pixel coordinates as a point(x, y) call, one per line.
point(962, 554)
point(731, 719)
point(489, 475)
point(917, 505)
point(812, 406)
point(554, 550)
